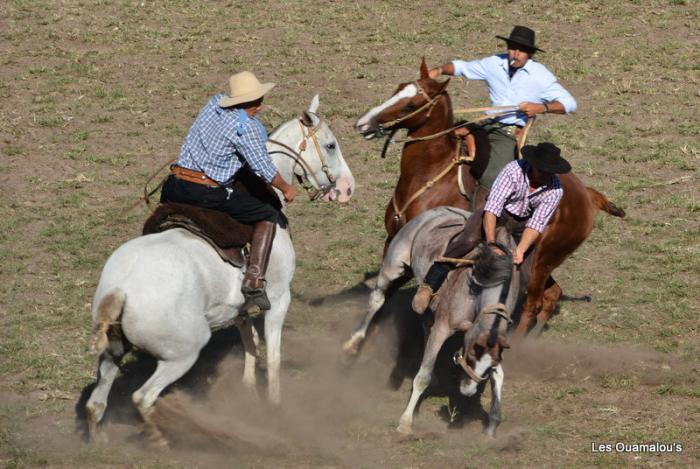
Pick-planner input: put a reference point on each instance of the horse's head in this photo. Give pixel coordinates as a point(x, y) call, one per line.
point(482, 352)
point(409, 107)
point(307, 148)
point(485, 340)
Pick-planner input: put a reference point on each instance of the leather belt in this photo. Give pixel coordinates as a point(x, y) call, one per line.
point(191, 175)
point(511, 129)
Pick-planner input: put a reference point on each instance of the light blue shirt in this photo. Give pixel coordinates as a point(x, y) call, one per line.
point(222, 140)
point(532, 83)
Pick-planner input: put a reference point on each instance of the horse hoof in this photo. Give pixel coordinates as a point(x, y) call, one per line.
point(404, 429)
point(98, 438)
point(351, 347)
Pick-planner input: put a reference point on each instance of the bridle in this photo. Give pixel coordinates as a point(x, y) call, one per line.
point(499, 310)
point(429, 104)
point(308, 132)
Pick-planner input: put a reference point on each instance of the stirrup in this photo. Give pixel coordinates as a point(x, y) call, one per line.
point(255, 300)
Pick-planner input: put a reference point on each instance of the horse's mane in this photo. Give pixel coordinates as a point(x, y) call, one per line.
point(490, 269)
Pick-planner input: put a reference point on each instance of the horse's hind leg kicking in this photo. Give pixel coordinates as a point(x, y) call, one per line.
point(391, 277)
point(167, 372)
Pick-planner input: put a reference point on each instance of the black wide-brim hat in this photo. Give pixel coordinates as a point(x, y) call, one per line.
point(523, 36)
point(546, 157)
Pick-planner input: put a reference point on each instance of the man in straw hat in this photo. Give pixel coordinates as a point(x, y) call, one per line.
point(225, 138)
point(513, 79)
point(523, 199)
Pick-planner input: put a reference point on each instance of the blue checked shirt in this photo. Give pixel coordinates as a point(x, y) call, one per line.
point(510, 192)
point(222, 140)
point(532, 83)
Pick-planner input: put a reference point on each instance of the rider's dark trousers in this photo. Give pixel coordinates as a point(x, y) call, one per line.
point(242, 206)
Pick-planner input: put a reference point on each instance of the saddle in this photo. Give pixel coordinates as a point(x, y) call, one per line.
point(226, 235)
point(476, 138)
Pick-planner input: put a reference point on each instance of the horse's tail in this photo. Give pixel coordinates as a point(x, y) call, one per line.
point(108, 311)
point(602, 202)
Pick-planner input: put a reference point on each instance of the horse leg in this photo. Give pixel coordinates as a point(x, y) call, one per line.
point(245, 327)
point(391, 277)
point(167, 372)
point(438, 335)
point(495, 412)
point(533, 303)
point(274, 319)
point(107, 371)
point(552, 293)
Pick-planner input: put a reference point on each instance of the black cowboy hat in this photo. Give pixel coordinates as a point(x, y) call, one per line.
point(523, 36)
point(546, 157)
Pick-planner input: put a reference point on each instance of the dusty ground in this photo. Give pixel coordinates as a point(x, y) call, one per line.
point(97, 95)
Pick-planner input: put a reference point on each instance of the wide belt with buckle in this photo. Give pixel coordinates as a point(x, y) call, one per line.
point(511, 129)
point(191, 175)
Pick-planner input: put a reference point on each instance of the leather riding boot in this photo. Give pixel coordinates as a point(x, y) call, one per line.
point(253, 285)
point(433, 281)
point(422, 298)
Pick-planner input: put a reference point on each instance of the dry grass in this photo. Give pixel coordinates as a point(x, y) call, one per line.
point(96, 95)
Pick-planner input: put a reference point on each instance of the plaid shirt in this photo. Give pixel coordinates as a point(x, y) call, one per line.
point(222, 140)
point(510, 191)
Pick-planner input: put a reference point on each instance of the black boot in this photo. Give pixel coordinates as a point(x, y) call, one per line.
point(253, 285)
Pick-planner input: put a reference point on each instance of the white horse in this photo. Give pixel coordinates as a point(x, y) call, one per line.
point(164, 293)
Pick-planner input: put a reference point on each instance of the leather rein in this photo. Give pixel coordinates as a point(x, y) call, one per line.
point(308, 175)
point(456, 161)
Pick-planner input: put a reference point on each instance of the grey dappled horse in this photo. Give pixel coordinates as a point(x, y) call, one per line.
point(164, 293)
point(472, 300)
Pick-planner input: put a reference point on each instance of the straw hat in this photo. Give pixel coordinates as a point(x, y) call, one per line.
point(244, 87)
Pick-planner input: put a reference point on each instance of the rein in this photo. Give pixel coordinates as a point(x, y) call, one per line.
point(446, 131)
point(296, 156)
point(456, 161)
point(430, 103)
point(308, 173)
point(497, 309)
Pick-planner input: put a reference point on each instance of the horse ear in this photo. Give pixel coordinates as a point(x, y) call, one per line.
point(306, 119)
point(443, 85)
point(423, 69)
point(313, 107)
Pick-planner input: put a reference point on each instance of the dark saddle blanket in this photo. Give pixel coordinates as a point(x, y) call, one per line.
point(226, 235)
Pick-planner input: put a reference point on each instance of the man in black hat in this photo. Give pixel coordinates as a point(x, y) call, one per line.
point(523, 199)
point(513, 79)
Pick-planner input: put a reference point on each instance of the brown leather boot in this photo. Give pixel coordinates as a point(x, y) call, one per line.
point(421, 299)
point(253, 285)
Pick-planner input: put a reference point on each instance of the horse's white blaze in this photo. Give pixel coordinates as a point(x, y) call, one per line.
point(368, 122)
point(468, 385)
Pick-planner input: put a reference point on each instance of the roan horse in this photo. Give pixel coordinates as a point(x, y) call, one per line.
point(428, 178)
point(163, 293)
point(477, 301)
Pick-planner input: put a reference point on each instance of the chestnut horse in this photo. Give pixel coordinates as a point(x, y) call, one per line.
point(428, 178)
